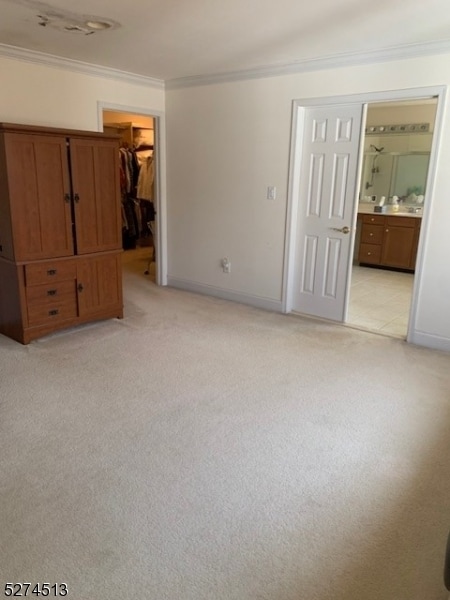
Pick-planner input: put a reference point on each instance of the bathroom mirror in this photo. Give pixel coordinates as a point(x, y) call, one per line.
point(409, 175)
point(394, 174)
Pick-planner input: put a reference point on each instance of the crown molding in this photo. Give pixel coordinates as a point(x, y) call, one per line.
point(316, 64)
point(68, 64)
point(337, 61)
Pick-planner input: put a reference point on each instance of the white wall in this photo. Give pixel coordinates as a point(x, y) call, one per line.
point(51, 96)
point(35, 94)
point(227, 142)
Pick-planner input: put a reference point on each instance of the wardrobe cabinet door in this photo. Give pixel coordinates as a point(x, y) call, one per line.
point(39, 193)
point(96, 192)
point(99, 285)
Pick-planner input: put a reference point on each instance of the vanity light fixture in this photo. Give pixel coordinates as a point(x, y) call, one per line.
point(403, 128)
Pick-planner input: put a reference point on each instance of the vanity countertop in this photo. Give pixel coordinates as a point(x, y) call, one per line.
point(368, 208)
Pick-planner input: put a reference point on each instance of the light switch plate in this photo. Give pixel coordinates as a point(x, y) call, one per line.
point(271, 192)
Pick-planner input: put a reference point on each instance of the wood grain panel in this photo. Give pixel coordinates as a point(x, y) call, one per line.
point(95, 172)
point(39, 191)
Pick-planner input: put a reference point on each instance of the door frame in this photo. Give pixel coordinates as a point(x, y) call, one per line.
point(299, 107)
point(160, 177)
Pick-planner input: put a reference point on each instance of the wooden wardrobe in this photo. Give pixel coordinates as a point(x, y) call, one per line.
point(60, 229)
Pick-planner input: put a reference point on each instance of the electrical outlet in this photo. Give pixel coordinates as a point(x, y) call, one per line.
point(226, 265)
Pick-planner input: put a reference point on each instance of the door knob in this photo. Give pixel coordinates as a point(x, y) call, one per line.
point(342, 229)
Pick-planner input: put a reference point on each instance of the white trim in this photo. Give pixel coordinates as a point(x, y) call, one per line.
point(337, 61)
point(428, 207)
point(355, 209)
point(373, 97)
point(216, 292)
point(160, 161)
point(50, 60)
point(429, 340)
point(413, 336)
point(295, 160)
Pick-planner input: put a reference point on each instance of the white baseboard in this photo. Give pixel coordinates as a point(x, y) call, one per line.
point(210, 290)
point(416, 337)
point(429, 341)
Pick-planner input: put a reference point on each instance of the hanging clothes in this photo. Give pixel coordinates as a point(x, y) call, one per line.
point(131, 216)
point(145, 185)
point(145, 193)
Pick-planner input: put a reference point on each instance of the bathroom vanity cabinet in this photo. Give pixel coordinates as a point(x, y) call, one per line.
point(389, 240)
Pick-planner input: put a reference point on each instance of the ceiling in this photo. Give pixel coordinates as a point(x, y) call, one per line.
point(172, 39)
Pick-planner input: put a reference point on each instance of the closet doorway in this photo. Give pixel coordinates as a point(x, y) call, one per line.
point(392, 195)
point(138, 160)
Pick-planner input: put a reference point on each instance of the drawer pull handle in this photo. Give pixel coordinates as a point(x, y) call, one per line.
point(51, 272)
point(54, 312)
point(387, 230)
point(51, 292)
point(369, 253)
point(371, 234)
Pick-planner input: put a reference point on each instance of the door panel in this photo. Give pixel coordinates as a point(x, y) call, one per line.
point(95, 173)
point(39, 191)
point(327, 193)
point(332, 256)
point(99, 284)
point(398, 243)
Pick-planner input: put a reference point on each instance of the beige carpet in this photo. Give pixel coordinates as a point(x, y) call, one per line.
point(204, 450)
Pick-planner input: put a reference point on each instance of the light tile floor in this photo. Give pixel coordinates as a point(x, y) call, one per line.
point(380, 300)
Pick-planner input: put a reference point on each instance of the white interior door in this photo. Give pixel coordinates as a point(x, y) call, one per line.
point(327, 188)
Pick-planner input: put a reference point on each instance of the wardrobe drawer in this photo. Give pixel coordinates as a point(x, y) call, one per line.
point(51, 271)
point(48, 304)
point(372, 234)
point(370, 253)
point(45, 294)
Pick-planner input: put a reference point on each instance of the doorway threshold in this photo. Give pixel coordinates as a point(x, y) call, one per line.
point(379, 332)
point(389, 334)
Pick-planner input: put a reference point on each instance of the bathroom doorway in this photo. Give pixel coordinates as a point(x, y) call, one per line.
point(392, 194)
point(314, 258)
